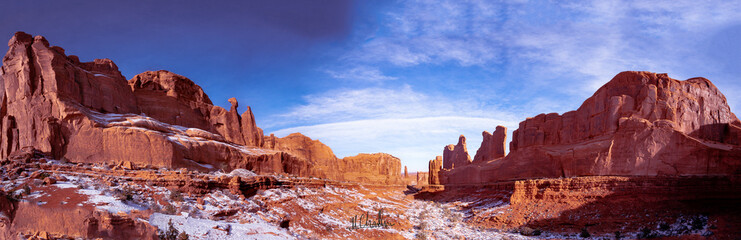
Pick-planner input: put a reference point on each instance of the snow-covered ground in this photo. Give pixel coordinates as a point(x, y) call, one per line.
point(199, 228)
point(290, 212)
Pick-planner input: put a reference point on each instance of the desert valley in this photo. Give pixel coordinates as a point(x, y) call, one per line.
point(87, 154)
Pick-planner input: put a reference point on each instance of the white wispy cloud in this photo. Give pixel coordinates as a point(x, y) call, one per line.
point(361, 74)
point(411, 125)
point(384, 103)
point(414, 140)
point(570, 47)
point(435, 32)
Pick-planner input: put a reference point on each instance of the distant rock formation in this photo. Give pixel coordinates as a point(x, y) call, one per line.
point(434, 168)
point(88, 112)
point(423, 178)
point(492, 146)
point(638, 124)
point(456, 155)
point(381, 168)
point(323, 162)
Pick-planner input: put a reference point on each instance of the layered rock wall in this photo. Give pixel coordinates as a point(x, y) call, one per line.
point(638, 124)
point(434, 168)
point(88, 112)
point(378, 168)
point(492, 145)
point(456, 155)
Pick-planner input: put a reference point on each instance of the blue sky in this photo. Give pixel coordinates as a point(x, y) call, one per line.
point(402, 77)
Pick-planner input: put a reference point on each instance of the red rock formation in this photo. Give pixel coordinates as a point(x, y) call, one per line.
point(37, 77)
point(638, 124)
point(423, 179)
point(371, 168)
point(434, 170)
point(171, 98)
point(492, 146)
point(86, 112)
point(604, 204)
point(176, 100)
point(323, 162)
point(252, 134)
point(378, 168)
point(456, 155)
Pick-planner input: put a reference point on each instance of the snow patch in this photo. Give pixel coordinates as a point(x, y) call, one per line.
point(109, 203)
point(207, 229)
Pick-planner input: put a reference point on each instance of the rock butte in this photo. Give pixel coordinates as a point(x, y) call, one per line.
point(638, 124)
point(87, 112)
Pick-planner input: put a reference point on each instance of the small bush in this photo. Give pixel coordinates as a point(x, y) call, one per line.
point(125, 194)
point(14, 197)
point(176, 195)
point(618, 235)
point(646, 233)
point(421, 236)
point(422, 226)
point(664, 226)
point(526, 231)
point(170, 209)
point(584, 233)
point(698, 222)
point(172, 233)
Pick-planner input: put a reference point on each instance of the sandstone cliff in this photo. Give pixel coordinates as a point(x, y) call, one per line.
point(176, 100)
point(638, 124)
point(492, 146)
point(88, 112)
point(379, 168)
point(456, 155)
point(434, 168)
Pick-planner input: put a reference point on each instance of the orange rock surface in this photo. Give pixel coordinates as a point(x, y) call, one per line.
point(456, 155)
point(493, 145)
point(434, 168)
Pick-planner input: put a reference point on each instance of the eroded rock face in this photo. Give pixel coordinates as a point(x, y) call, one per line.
point(423, 178)
point(36, 77)
point(378, 168)
point(381, 168)
point(174, 99)
point(638, 124)
point(171, 98)
point(88, 112)
point(456, 155)
point(434, 168)
point(323, 162)
point(492, 146)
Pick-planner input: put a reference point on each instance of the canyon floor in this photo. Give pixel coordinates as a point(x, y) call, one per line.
point(49, 199)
